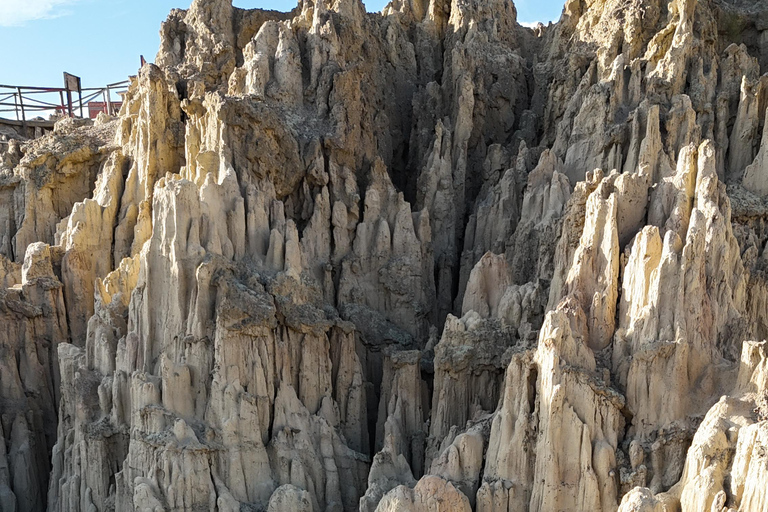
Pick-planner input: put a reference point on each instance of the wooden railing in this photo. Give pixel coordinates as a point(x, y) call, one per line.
point(24, 102)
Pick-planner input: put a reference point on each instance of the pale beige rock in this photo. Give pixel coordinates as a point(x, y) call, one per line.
point(497, 214)
point(594, 269)
point(508, 472)
point(755, 174)
point(390, 268)
point(402, 411)
point(566, 396)
point(289, 497)
point(745, 130)
point(487, 284)
point(431, 494)
point(720, 465)
point(642, 500)
point(333, 260)
point(652, 269)
point(34, 313)
point(389, 470)
point(461, 462)
point(469, 367)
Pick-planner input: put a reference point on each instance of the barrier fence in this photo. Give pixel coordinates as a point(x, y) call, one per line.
point(24, 102)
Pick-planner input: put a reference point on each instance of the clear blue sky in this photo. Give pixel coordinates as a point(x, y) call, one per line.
point(101, 40)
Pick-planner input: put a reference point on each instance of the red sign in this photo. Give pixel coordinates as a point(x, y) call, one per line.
point(94, 107)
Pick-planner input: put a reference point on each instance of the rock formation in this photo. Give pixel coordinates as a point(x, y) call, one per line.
point(425, 259)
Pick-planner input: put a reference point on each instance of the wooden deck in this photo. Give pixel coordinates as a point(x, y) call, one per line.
point(32, 123)
point(30, 129)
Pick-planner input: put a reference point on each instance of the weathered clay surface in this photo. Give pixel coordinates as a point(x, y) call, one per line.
point(420, 260)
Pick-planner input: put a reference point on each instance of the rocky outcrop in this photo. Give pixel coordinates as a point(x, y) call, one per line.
point(432, 493)
point(425, 259)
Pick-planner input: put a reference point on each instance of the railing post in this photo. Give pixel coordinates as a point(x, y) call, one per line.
point(109, 102)
point(23, 115)
point(61, 98)
point(69, 103)
point(16, 107)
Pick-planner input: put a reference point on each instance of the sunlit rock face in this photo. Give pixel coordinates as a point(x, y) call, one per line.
point(420, 260)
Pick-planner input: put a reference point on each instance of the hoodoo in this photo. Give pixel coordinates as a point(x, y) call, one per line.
point(421, 260)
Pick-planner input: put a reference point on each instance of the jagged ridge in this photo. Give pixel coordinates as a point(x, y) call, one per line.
point(418, 260)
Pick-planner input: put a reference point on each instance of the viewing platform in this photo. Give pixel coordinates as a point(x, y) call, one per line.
point(23, 108)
